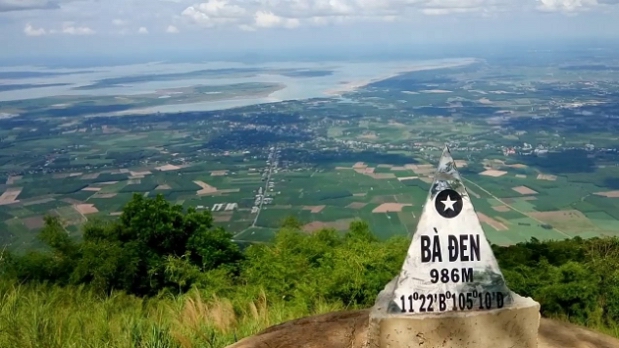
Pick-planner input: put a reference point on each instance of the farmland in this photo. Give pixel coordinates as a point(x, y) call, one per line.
point(532, 166)
point(513, 207)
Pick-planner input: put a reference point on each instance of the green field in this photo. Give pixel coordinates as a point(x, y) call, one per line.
point(318, 198)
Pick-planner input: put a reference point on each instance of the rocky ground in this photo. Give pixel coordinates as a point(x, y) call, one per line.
point(348, 330)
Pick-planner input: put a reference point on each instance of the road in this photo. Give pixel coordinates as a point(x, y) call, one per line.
point(272, 161)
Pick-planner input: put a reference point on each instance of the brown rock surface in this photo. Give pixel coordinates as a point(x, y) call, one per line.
point(348, 330)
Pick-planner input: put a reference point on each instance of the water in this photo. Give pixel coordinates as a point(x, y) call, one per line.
point(345, 77)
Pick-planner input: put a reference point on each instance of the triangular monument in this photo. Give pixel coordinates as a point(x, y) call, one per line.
point(450, 265)
point(450, 290)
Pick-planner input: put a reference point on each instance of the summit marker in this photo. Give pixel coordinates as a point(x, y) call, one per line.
point(450, 292)
point(450, 265)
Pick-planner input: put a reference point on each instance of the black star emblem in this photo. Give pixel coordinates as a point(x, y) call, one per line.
point(448, 203)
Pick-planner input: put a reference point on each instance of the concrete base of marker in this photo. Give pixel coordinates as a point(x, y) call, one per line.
point(513, 327)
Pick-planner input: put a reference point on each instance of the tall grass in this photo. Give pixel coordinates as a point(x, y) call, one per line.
point(42, 315)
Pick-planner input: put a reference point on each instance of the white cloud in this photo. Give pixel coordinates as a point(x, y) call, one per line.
point(447, 11)
point(70, 29)
point(214, 12)
point(246, 27)
point(249, 15)
point(172, 29)
point(32, 31)
point(123, 16)
point(265, 19)
point(565, 5)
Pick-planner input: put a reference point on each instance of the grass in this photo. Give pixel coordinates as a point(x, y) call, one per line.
point(51, 316)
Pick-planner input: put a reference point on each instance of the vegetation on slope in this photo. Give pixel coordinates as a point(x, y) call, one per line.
point(161, 276)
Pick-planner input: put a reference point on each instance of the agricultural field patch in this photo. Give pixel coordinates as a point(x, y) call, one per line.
point(86, 209)
point(4, 215)
point(604, 222)
point(33, 222)
point(356, 205)
point(206, 188)
point(523, 190)
point(383, 199)
point(167, 168)
point(90, 176)
point(222, 216)
point(390, 208)
point(493, 173)
point(315, 209)
point(386, 225)
point(409, 220)
point(501, 208)
point(497, 225)
point(339, 225)
point(69, 215)
point(548, 177)
point(569, 221)
point(10, 196)
point(405, 177)
point(36, 201)
point(608, 194)
point(11, 180)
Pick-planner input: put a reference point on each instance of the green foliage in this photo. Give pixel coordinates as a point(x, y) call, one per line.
point(350, 270)
point(164, 276)
point(574, 279)
point(133, 252)
point(291, 222)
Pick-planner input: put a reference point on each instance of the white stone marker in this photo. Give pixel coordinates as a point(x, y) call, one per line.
point(450, 265)
point(450, 291)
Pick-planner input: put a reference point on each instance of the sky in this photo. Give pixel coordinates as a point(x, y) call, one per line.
point(126, 28)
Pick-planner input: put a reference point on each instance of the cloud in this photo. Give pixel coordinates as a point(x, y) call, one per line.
point(565, 5)
point(246, 27)
point(70, 29)
point(29, 30)
point(446, 7)
point(214, 12)
point(21, 5)
point(249, 15)
point(265, 19)
point(142, 30)
point(119, 22)
point(126, 16)
point(172, 29)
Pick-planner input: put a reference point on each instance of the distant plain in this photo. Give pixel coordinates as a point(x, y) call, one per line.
point(535, 142)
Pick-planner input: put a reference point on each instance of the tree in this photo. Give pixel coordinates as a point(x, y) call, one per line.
point(141, 252)
point(292, 223)
point(360, 231)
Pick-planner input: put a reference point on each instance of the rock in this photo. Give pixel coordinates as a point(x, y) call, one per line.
point(349, 330)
